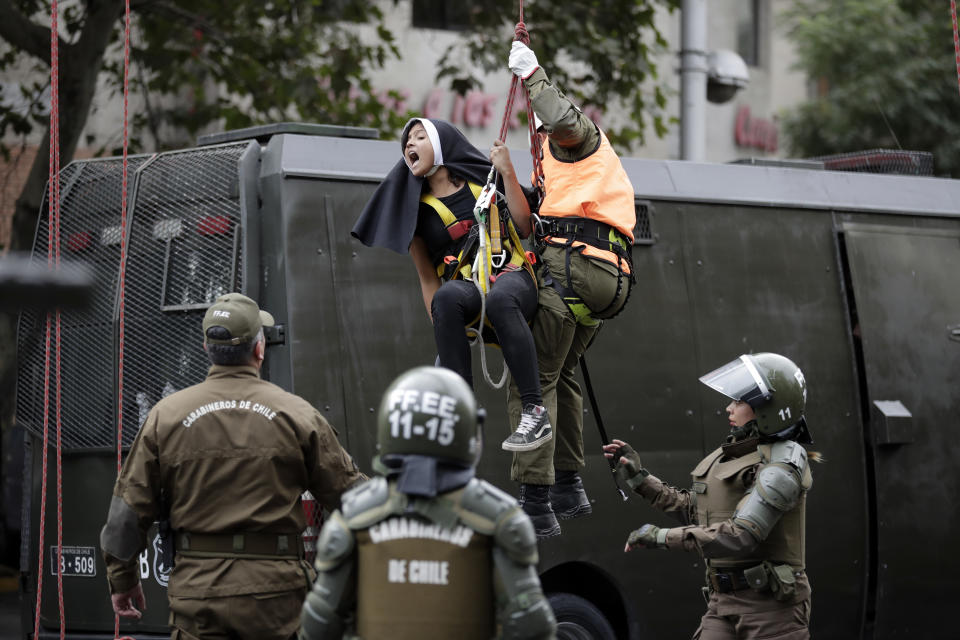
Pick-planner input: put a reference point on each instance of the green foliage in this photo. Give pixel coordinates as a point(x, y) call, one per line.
point(197, 62)
point(600, 52)
point(888, 75)
point(200, 61)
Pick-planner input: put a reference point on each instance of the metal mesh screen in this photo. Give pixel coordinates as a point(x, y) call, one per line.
point(913, 163)
point(643, 230)
point(89, 231)
point(183, 254)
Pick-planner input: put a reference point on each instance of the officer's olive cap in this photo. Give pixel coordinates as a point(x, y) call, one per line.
point(239, 315)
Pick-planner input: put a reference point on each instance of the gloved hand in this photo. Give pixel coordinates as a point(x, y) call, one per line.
point(648, 537)
point(628, 467)
point(523, 61)
point(630, 461)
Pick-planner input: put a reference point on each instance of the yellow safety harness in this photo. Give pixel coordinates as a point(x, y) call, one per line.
point(490, 260)
point(461, 265)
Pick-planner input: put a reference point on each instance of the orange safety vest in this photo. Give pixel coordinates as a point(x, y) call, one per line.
point(595, 187)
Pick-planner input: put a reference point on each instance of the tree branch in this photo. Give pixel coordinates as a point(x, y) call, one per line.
point(23, 33)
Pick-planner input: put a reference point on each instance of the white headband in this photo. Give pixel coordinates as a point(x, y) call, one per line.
point(431, 130)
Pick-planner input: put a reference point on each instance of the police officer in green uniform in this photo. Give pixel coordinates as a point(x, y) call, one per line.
point(427, 550)
point(226, 462)
point(746, 511)
point(584, 232)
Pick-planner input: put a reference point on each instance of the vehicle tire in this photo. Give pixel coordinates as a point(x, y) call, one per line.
point(579, 619)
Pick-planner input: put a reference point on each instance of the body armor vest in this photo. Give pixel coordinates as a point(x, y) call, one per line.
point(722, 485)
point(418, 580)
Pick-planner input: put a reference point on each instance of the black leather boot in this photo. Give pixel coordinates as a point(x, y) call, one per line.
point(535, 501)
point(567, 496)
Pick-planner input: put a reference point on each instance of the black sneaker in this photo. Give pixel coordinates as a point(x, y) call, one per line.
point(567, 496)
point(535, 501)
point(533, 431)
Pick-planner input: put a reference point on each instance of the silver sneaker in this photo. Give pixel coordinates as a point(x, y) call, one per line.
point(533, 431)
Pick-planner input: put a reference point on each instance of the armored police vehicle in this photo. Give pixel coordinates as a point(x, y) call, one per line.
point(853, 276)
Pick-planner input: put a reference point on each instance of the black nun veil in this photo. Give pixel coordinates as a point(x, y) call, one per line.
point(390, 216)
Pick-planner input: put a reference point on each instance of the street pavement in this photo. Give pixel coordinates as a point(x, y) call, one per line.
point(10, 616)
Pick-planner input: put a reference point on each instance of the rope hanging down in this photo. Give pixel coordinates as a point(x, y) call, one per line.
point(956, 37)
point(53, 263)
point(481, 270)
point(123, 262)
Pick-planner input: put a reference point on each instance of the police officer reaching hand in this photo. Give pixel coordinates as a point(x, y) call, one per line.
point(226, 462)
point(427, 550)
point(746, 512)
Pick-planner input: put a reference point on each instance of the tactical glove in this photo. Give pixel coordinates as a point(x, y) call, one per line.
point(631, 471)
point(523, 61)
point(648, 537)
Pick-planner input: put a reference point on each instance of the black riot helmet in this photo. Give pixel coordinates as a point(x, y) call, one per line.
point(428, 431)
point(772, 385)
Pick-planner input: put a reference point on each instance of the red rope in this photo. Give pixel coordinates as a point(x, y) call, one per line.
point(55, 181)
point(516, 87)
point(123, 260)
point(956, 37)
point(53, 263)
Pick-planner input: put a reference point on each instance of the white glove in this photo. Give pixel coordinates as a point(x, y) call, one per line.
point(523, 61)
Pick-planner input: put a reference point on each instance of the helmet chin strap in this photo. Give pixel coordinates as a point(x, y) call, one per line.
point(746, 431)
point(432, 171)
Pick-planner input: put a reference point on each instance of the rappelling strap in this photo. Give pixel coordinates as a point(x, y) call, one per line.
point(508, 257)
point(586, 230)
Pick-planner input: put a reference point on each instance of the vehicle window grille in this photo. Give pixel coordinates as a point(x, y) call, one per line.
point(183, 245)
point(89, 231)
point(643, 230)
point(184, 253)
point(892, 161)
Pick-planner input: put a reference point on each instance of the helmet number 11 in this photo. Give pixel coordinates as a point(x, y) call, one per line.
point(435, 428)
point(784, 414)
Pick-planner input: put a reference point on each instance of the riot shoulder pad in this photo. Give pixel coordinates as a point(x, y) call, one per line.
point(481, 506)
point(369, 503)
point(789, 452)
point(516, 536)
point(778, 484)
point(335, 543)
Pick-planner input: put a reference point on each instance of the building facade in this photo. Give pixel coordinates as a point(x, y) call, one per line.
point(746, 126)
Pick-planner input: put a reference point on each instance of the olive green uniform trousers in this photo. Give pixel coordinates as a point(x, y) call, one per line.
point(749, 615)
point(560, 341)
point(256, 616)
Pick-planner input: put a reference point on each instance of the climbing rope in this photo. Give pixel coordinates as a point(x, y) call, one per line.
point(123, 262)
point(956, 37)
point(53, 264)
point(482, 263)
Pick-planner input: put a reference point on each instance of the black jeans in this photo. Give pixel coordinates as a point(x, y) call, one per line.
point(511, 303)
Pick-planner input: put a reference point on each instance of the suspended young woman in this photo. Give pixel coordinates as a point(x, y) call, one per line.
point(425, 207)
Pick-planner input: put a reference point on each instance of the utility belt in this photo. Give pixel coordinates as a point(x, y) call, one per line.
point(595, 234)
point(250, 545)
point(765, 577)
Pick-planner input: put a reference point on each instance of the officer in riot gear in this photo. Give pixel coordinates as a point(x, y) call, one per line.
point(427, 549)
point(746, 511)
